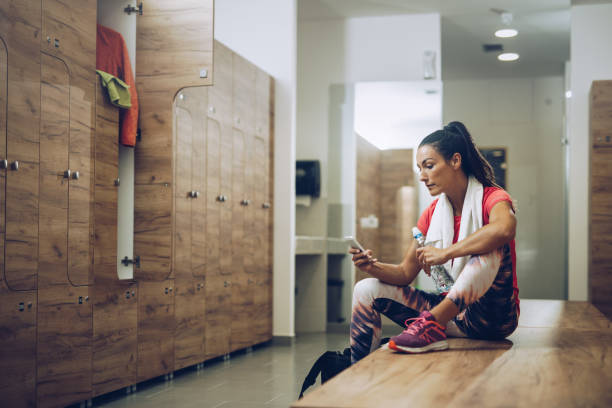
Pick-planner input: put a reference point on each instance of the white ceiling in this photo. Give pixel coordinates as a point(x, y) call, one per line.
point(543, 25)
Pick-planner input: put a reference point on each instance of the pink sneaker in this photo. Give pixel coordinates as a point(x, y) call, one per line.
point(423, 334)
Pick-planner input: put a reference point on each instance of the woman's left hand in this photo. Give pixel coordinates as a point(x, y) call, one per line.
point(430, 255)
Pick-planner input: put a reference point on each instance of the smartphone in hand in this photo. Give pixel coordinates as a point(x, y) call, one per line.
point(354, 243)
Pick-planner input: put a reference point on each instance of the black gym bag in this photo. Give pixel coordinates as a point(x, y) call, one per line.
point(329, 364)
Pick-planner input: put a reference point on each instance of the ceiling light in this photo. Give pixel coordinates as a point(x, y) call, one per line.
point(506, 33)
point(508, 56)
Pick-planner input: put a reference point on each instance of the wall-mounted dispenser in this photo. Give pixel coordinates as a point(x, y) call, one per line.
point(308, 178)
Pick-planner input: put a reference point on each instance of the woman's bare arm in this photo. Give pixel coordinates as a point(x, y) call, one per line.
point(400, 275)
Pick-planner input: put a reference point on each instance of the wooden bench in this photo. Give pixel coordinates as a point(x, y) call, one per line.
point(560, 355)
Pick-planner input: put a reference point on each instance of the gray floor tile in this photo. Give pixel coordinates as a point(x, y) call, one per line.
point(269, 377)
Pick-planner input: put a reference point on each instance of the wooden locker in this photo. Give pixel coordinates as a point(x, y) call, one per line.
point(115, 324)
point(64, 311)
point(20, 61)
point(18, 347)
point(19, 129)
point(183, 29)
point(243, 102)
point(600, 271)
point(155, 328)
point(190, 313)
point(218, 272)
point(263, 294)
point(54, 177)
point(115, 304)
point(64, 345)
point(69, 34)
point(189, 250)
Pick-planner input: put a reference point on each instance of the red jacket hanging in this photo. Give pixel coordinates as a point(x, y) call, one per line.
point(112, 57)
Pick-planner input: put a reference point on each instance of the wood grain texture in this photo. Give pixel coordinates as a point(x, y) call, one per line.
point(64, 351)
point(115, 323)
point(19, 136)
point(190, 316)
point(396, 172)
point(218, 281)
point(3, 115)
point(105, 191)
point(71, 33)
point(17, 347)
point(556, 364)
point(155, 328)
point(263, 238)
point(242, 297)
point(184, 135)
point(54, 143)
point(600, 214)
point(183, 29)
point(20, 29)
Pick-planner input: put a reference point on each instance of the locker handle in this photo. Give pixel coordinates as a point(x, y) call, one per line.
point(15, 165)
point(67, 174)
point(221, 198)
point(245, 202)
point(265, 205)
point(3, 164)
point(75, 175)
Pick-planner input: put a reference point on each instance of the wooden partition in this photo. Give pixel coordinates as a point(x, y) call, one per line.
point(600, 271)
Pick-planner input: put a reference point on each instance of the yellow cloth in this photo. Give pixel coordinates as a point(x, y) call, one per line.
point(118, 91)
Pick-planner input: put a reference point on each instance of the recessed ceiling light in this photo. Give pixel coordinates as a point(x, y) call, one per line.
point(506, 33)
point(508, 56)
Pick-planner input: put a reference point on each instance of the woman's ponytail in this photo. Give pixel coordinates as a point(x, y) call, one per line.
point(455, 138)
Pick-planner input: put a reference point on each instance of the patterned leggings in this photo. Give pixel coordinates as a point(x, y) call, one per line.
point(483, 293)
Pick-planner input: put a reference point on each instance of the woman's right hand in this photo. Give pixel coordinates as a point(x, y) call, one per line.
point(363, 260)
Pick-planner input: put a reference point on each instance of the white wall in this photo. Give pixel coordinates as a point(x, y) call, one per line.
point(332, 56)
point(526, 117)
point(347, 51)
point(264, 32)
point(591, 59)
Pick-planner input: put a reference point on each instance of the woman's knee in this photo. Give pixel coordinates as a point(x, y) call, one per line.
point(365, 289)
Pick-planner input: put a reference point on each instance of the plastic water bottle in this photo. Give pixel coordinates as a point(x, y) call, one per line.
point(442, 279)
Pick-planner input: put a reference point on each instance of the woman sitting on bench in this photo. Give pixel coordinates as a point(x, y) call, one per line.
point(470, 230)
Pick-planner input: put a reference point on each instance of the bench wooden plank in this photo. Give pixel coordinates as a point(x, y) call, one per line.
point(558, 356)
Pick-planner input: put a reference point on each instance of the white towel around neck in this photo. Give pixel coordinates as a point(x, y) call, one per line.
point(442, 225)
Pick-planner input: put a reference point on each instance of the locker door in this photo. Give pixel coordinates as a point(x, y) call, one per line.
point(17, 347)
point(64, 345)
point(241, 297)
point(21, 79)
point(182, 188)
point(189, 294)
point(155, 328)
point(189, 340)
point(69, 33)
point(264, 109)
point(218, 280)
point(54, 172)
point(3, 159)
point(19, 130)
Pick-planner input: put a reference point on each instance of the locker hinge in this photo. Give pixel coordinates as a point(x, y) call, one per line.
point(131, 9)
point(136, 261)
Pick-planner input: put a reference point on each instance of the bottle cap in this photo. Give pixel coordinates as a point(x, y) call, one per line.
point(416, 233)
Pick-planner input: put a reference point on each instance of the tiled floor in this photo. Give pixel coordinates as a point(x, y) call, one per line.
point(269, 376)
